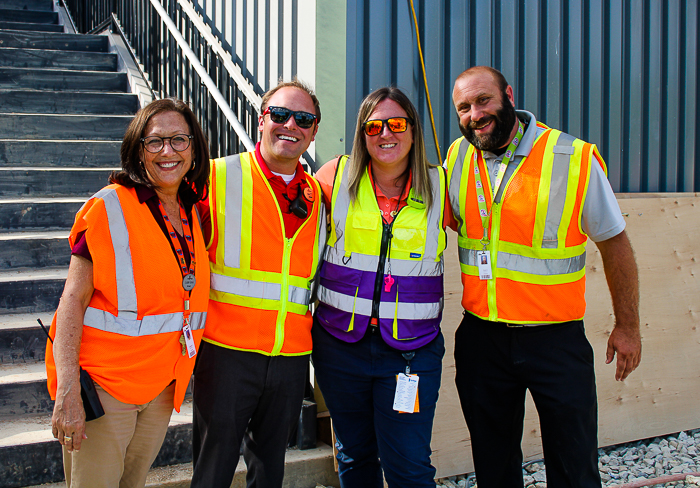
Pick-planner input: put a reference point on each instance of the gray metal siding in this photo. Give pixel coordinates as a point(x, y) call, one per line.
point(621, 74)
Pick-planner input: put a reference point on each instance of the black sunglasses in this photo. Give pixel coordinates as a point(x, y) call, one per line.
point(279, 115)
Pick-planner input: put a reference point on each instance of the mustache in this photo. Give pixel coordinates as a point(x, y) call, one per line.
point(474, 124)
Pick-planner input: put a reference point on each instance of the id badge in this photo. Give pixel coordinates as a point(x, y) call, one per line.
point(483, 260)
point(189, 341)
point(406, 395)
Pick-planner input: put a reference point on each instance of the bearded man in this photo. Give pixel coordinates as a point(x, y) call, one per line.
point(525, 199)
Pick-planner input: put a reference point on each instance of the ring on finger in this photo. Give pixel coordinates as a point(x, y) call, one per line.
point(67, 438)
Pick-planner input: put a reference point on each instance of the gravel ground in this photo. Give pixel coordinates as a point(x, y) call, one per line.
point(635, 462)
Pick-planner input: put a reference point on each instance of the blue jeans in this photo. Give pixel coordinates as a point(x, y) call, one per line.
point(358, 381)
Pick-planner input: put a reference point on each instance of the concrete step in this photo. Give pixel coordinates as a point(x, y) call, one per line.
point(48, 58)
point(84, 154)
point(46, 5)
point(31, 291)
point(63, 126)
point(69, 102)
point(31, 26)
point(22, 342)
point(38, 213)
point(50, 40)
point(58, 182)
point(23, 392)
point(33, 16)
point(58, 80)
point(30, 455)
point(39, 249)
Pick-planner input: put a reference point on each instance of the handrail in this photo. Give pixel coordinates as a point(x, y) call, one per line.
point(206, 79)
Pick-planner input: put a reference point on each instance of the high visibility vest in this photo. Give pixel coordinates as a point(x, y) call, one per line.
point(537, 246)
point(133, 324)
point(261, 280)
point(410, 310)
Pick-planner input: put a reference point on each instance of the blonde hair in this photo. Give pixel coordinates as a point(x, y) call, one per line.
point(417, 159)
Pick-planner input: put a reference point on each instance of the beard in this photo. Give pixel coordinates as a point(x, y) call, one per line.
point(504, 120)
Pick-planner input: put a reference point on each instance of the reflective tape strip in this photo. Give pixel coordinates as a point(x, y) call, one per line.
point(557, 190)
point(456, 181)
point(340, 209)
point(534, 266)
point(246, 288)
point(148, 325)
point(399, 267)
point(234, 207)
point(300, 296)
point(363, 306)
point(435, 213)
point(126, 288)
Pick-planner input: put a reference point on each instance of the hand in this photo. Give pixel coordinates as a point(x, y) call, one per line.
point(68, 420)
point(627, 343)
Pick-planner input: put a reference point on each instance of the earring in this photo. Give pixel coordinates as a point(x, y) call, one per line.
point(194, 163)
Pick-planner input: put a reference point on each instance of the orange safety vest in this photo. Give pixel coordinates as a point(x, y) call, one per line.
point(261, 280)
point(132, 326)
point(536, 242)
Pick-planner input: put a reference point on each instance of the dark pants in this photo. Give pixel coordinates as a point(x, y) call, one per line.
point(248, 397)
point(358, 382)
point(495, 364)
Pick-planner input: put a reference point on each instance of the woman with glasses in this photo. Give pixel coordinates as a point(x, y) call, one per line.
point(377, 343)
point(133, 309)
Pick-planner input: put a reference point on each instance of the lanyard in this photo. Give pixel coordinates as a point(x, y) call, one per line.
point(188, 279)
point(480, 198)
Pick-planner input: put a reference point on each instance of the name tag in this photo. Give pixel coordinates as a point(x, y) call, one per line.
point(406, 395)
point(483, 261)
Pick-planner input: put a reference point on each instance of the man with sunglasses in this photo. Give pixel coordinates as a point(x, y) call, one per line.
point(265, 228)
point(525, 199)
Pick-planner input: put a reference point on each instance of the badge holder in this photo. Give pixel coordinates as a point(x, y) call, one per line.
point(406, 395)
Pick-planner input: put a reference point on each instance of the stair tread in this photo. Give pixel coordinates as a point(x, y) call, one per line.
point(24, 320)
point(21, 274)
point(56, 169)
point(15, 373)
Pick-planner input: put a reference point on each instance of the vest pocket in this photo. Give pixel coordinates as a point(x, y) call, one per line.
point(338, 293)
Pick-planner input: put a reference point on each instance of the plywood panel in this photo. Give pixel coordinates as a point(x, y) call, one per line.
point(662, 395)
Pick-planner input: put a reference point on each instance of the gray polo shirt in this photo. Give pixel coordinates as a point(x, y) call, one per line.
point(601, 217)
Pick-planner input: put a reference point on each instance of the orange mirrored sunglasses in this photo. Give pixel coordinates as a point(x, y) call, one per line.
point(395, 124)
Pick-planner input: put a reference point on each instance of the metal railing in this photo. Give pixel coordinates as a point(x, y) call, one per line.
point(182, 59)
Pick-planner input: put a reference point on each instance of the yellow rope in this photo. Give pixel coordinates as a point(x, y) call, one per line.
point(425, 80)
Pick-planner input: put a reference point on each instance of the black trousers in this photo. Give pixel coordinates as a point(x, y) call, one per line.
point(244, 397)
point(495, 365)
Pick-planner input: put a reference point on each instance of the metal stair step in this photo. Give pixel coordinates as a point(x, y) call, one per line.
point(62, 126)
point(30, 455)
point(46, 5)
point(58, 80)
point(22, 342)
point(38, 213)
point(33, 250)
point(28, 26)
point(34, 16)
point(48, 58)
point(62, 41)
point(31, 291)
point(57, 182)
point(86, 154)
point(69, 102)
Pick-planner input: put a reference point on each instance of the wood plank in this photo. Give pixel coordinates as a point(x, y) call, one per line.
point(662, 395)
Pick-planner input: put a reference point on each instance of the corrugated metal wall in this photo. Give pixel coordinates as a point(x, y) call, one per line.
point(620, 73)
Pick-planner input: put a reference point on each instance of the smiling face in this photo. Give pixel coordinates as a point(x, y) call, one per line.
point(487, 116)
point(389, 150)
point(167, 168)
point(281, 145)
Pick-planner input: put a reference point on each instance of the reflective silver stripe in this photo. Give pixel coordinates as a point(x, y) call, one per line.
point(399, 267)
point(339, 211)
point(467, 256)
point(557, 190)
point(456, 180)
point(363, 306)
point(124, 268)
point(246, 288)
point(298, 295)
point(234, 210)
point(149, 325)
point(322, 231)
point(543, 267)
point(434, 216)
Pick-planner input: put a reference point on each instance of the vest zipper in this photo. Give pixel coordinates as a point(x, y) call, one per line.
point(383, 253)
point(284, 296)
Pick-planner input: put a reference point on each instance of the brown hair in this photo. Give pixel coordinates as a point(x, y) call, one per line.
point(417, 159)
point(193, 187)
point(295, 83)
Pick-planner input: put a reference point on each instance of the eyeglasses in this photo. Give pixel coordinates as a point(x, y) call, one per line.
point(178, 142)
point(279, 115)
point(395, 124)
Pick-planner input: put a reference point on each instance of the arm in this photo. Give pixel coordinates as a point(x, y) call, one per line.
point(621, 275)
point(68, 414)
